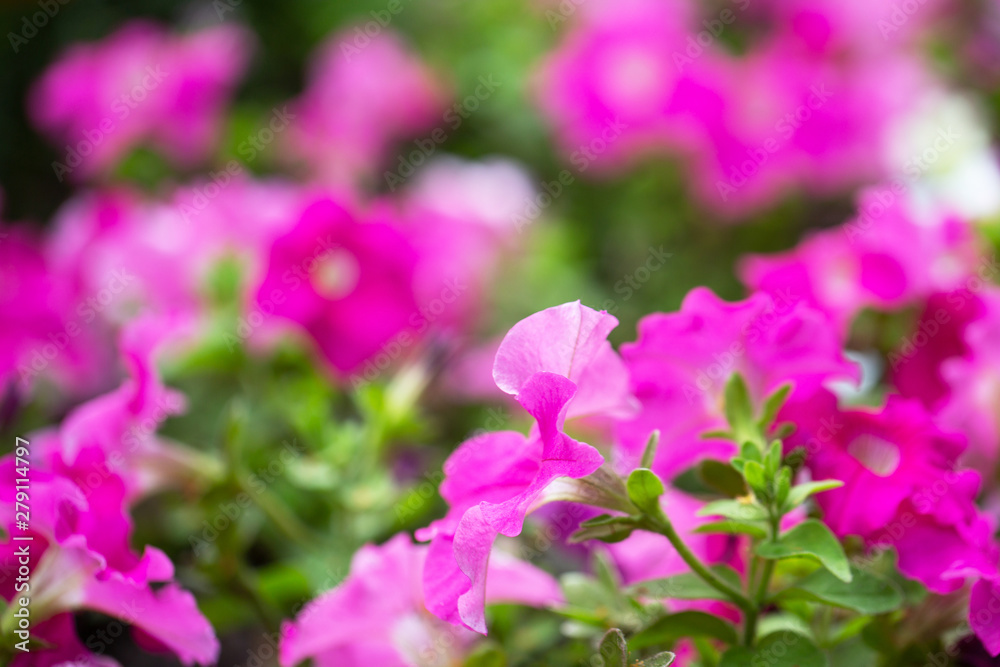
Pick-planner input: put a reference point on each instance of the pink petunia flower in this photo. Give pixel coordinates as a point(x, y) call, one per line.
point(140, 85)
point(377, 615)
point(348, 283)
point(557, 363)
point(863, 264)
point(681, 362)
point(363, 94)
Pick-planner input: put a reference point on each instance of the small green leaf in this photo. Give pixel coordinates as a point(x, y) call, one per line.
point(800, 492)
point(734, 509)
point(649, 453)
point(779, 649)
point(866, 593)
point(687, 586)
point(721, 477)
point(810, 539)
point(750, 452)
point(672, 627)
point(658, 660)
point(738, 408)
point(773, 459)
point(605, 527)
point(613, 649)
point(717, 435)
point(730, 527)
point(644, 490)
point(783, 485)
point(755, 476)
point(773, 404)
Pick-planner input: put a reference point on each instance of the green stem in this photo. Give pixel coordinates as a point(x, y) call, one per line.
point(665, 528)
point(760, 594)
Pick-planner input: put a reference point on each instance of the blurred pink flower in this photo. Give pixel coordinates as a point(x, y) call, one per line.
point(139, 85)
point(363, 93)
point(82, 560)
point(863, 264)
point(347, 282)
point(681, 362)
point(377, 615)
point(557, 363)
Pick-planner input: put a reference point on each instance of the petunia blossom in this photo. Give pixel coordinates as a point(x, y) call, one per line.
point(377, 615)
point(552, 362)
point(681, 362)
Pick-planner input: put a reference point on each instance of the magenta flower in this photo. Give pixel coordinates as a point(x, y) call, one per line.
point(681, 362)
point(139, 85)
point(348, 283)
point(84, 561)
point(863, 264)
point(363, 94)
point(557, 363)
point(377, 615)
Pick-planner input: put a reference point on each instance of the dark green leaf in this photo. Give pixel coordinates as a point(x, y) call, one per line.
point(687, 586)
point(810, 539)
point(644, 490)
point(670, 628)
point(779, 649)
point(613, 649)
point(731, 527)
point(866, 593)
point(722, 477)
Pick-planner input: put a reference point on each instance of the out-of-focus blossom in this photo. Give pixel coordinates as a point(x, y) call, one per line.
point(347, 282)
point(681, 362)
point(973, 403)
point(140, 85)
point(377, 615)
point(361, 96)
point(863, 264)
point(461, 217)
point(557, 363)
point(84, 562)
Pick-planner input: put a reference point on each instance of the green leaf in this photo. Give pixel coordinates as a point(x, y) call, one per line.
point(605, 527)
point(866, 593)
point(613, 649)
point(487, 655)
point(644, 490)
point(783, 485)
point(750, 452)
point(722, 477)
point(658, 660)
point(738, 408)
point(779, 649)
point(649, 453)
point(773, 459)
point(687, 586)
point(672, 627)
point(810, 539)
point(772, 405)
point(734, 509)
point(730, 527)
point(800, 492)
point(755, 476)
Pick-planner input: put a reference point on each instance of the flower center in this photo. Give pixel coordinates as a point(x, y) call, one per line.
point(335, 274)
point(879, 456)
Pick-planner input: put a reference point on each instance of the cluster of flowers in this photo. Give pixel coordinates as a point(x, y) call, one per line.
point(812, 102)
point(370, 280)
